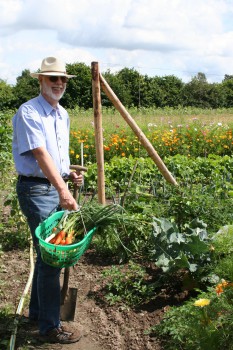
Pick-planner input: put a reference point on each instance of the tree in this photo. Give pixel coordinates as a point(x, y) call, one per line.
point(153, 93)
point(114, 84)
point(132, 88)
point(171, 88)
point(79, 89)
point(26, 88)
point(199, 93)
point(227, 77)
point(6, 96)
point(227, 91)
point(129, 83)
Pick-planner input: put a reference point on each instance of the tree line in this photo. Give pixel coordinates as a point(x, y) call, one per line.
point(132, 88)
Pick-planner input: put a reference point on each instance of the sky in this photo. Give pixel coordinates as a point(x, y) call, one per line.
point(154, 37)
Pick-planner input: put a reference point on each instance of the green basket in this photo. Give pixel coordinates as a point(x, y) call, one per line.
point(59, 255)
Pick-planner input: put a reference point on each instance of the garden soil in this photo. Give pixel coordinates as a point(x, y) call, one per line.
point(104, 327)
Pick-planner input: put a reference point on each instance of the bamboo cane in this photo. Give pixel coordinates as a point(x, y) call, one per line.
point(98, 131)
point(138, 132)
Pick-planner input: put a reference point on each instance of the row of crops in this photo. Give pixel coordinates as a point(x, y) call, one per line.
point(184, 232)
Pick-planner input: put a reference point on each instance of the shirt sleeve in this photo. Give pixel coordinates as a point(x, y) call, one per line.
point(29, 129)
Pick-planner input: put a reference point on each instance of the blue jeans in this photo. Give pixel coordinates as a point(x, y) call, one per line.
point(37, 202)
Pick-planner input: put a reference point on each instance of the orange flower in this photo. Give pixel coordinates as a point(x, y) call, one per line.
point(220, 287)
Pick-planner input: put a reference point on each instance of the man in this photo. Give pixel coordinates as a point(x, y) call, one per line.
point(41, 155)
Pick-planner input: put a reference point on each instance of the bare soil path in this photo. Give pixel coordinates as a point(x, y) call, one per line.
point(104, 327)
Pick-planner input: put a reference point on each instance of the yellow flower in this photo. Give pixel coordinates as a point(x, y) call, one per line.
point(77, 156)
point(202, 302)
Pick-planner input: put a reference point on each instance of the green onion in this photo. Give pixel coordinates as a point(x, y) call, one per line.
point(89, 216)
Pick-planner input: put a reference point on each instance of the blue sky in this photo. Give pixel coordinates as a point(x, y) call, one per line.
point(156, 37)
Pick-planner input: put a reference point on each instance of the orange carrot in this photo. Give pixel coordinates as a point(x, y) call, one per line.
point(59, 237)
point(53, 240)
point(62, 233)
point(68, 240)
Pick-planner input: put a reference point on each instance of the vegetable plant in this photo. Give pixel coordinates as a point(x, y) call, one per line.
point(174, 249)
point(128, 285)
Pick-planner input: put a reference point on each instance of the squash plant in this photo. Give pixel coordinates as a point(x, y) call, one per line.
point(176, 249)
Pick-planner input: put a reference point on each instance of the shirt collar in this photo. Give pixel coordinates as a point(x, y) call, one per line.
point(46, 106)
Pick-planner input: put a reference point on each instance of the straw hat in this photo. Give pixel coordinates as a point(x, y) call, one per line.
point(52, 66)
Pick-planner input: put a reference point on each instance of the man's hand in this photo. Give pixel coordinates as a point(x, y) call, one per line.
point(67, 201)
point(76, 178)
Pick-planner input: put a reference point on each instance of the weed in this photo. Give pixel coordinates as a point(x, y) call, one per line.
point(129, 286)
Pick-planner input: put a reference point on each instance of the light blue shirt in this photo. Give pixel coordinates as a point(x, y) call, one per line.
point(38, 124)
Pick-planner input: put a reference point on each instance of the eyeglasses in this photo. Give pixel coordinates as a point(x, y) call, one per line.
point(54, 79)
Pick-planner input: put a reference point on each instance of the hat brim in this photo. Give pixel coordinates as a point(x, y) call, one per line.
point(56, 74)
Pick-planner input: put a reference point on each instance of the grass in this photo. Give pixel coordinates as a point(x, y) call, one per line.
point(161, 118)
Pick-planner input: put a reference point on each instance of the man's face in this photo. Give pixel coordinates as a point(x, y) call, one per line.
point(52, 87)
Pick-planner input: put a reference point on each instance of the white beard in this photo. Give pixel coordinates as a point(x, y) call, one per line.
point(47, 90)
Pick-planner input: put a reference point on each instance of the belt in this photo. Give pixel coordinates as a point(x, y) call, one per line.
point(42, 180)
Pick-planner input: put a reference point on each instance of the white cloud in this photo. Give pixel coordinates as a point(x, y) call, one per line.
point(157, 37)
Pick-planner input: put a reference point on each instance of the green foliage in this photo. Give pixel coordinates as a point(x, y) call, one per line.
point(5, 143)
point(222, 243)
point(193, 327)
point(175, 249)
point(204, 189)
point(79, 89)
point(223, 266)
point(127, 239)
point(199, 93)
point(14, 233)
point(171, 88)
point(205, 323)
point(131, 87)
point(25, 89)
point(127, 285)
point(227, 89)
point(6, 96)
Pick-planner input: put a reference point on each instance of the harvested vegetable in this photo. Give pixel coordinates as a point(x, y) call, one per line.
point(74, 225)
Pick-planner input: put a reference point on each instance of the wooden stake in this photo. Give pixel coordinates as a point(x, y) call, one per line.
point(141, 136)
point(98, 131)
